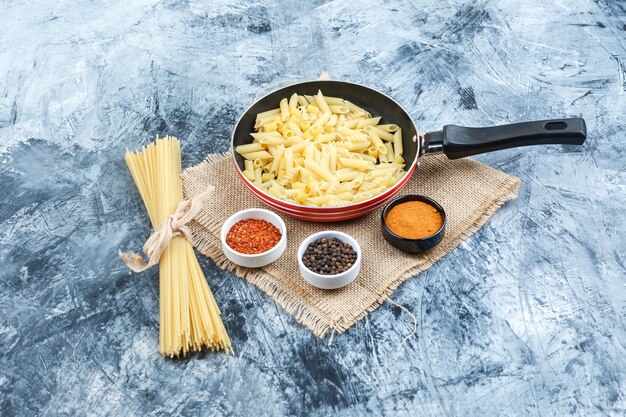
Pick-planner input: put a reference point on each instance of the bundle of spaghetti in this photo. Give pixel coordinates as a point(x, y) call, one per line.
point(189, 316)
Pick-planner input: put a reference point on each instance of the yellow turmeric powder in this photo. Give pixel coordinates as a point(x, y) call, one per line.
point(414, 220)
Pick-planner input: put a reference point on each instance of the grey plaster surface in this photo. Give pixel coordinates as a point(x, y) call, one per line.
point(524, 318)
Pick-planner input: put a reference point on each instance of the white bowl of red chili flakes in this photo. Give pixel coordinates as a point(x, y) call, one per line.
point(254, 237)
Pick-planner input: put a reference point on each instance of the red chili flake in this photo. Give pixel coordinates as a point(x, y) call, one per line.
point(253, 236)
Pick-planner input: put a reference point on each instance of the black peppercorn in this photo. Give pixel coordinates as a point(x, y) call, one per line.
point(329, 256)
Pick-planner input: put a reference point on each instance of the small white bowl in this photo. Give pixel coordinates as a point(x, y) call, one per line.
point(330, 282)
point(258, 259)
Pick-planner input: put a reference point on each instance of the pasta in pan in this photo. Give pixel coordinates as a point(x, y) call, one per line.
point(322, 151)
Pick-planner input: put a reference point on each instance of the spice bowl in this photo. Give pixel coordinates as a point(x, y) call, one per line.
point(329, 282)
point(413, 245)
point(255, 260)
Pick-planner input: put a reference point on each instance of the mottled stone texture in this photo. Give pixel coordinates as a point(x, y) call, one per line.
point(525, 318)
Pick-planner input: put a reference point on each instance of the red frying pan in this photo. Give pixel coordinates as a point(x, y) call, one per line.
point(453, 141)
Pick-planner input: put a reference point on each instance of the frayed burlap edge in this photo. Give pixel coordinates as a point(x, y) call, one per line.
point(319, 323)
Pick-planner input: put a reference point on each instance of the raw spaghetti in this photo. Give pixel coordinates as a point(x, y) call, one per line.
point(189, 317)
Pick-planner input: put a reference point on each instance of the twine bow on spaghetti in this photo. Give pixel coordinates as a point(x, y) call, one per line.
point(173, 225)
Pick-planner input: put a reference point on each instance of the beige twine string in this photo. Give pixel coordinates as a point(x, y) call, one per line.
point(173, 225)
point(412, 317)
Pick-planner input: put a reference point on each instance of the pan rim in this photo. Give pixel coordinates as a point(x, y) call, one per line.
point(350, 207)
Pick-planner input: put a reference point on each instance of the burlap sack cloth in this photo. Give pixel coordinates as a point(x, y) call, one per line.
point(470, 192)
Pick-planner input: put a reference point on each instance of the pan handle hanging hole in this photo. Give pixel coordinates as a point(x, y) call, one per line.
point(555, 126)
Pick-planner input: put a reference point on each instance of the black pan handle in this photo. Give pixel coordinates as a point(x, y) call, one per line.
point(459, 142)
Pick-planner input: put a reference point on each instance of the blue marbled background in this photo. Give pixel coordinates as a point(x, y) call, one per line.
point(525, 318)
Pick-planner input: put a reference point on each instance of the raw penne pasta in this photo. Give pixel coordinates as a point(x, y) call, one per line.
point(315, 130)
point(272, 141)
point(321, 102)
point(278, 158)
point(355, 109)
point(299, 146)
point(356, 164)
point(356, 182)
point(348, 132)
point(268, 113)
point(264, 121)
point(397, 143)
point(322, 119)
point(339, 109)
point(317, 155)
point(346, 174)
point(325, 160)
point(325, 137)
point(284, 109)
point(366, 195)
point(353, 122)
point(251, 147)
point(321, 171)
point(308, 175)
point(334, 100)
point(389, 127)
point(346, 195)
point(336, 203)
point(258, 174)
point(257, 155)
point(377, 173)
point(305, 125)
point(293, 104)
point(356, 146)
point(366, 158)
point(332, 160)
point(321, 151)
point(383, 134)
point(294, 128)
point(323, 199)
point(390, 154)
point(249, 174)
point(289, 161)
point(380, 146)
point(260, 135)
point(302, 101)
point(309, 151)
point(392, 181)
point(367, 122)
point(269, 127)
point(398, 167)
point(297, 185)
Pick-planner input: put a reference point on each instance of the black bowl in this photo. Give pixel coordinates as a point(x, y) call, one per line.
point(413, 245)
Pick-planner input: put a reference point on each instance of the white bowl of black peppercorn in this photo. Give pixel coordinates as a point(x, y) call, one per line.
point(322, 271)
